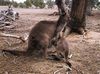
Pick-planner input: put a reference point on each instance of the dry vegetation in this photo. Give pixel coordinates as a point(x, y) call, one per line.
point(86, 52)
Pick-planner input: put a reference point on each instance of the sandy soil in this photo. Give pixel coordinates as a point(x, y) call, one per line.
point(86, 53)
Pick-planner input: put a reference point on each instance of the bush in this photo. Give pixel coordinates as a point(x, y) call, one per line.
point(22, 5)
point(28, 3)
point(39, 3)
point(15, 4)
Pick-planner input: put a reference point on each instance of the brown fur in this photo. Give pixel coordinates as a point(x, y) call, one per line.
point(40, 37)
point(63, 49)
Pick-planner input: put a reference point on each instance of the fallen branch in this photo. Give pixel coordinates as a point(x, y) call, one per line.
point(7, 28)
point(2, 25)
point(13, 36)
point(8, 17)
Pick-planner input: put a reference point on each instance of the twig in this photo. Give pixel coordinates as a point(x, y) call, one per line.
point(26, 36)
point(63, 67)
point(70, 56)
point(57, 71)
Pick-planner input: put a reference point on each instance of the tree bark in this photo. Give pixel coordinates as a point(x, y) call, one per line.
point(73, 22)
point(76, 21)
point(78, 16)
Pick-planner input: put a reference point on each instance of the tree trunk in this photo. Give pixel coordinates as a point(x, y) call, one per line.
point(75, 22)
point(78, 16)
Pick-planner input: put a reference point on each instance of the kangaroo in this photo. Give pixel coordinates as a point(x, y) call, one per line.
point(62, 50)
point(40, 36)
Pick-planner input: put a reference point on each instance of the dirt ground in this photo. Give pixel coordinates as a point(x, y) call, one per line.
point(86, 51)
